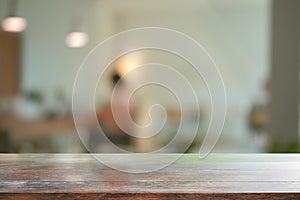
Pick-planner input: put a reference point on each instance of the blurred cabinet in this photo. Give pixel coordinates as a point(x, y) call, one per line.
point(9, 64)
point(16, 131)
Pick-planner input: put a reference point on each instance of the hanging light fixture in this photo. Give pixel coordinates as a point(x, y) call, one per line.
point(13, 23)
point(77, 39)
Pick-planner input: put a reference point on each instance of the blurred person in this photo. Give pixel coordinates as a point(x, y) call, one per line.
point(259, 116)
point(107, 121)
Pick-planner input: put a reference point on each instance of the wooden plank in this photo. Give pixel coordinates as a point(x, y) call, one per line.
point(219, 176)
point(138, 196)
point(9, 64)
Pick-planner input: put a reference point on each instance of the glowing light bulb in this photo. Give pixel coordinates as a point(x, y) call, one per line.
point(77, 39)
point(14, 24)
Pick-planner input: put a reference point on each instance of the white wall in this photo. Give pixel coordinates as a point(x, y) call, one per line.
point(235, 33)
point(48, 64)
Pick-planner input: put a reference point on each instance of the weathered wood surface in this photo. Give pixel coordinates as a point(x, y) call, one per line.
point(219, 176)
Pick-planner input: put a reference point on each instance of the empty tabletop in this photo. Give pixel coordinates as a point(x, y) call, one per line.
point(218, 176)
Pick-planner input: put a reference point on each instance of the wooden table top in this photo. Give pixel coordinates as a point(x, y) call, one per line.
point(219, 176)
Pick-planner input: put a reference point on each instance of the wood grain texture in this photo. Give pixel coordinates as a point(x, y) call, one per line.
point(219, 176)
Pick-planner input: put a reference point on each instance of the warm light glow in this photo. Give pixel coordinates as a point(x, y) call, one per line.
point(126, 66)
point(77, 39)
point(129, 63)
point(14, 24)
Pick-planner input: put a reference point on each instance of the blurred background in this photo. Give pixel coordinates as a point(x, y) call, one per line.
point(255, 44)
